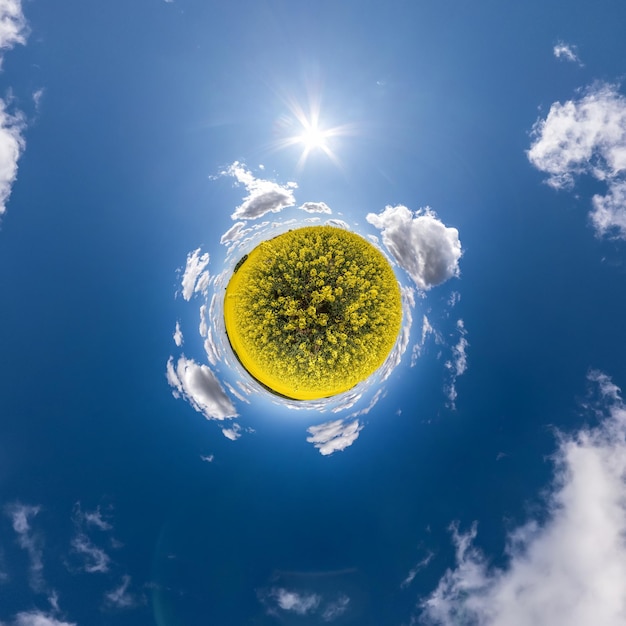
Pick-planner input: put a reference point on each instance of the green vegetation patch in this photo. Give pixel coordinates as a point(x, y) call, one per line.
point(313, 312)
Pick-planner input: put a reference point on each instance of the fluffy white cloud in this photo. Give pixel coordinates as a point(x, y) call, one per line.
point(196, 277)
point(609, 212)
point(587, 136)
point(300, 603)
point(37, 618)
point(178, 334)
point(566, 52)
point(335, 435)
point(422, 245)
point(200, 387)
point(12, 24)
point(569, 570)
point(264, 196)
point(11, 147)
point(315, 207)
point(21, 516)
point(233, 433)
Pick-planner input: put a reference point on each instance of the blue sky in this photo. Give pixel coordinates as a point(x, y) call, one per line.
point(477, 478)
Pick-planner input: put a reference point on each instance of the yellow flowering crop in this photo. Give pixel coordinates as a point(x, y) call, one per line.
point(313, 312)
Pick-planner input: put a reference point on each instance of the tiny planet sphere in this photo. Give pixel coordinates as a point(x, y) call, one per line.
point(312, 312)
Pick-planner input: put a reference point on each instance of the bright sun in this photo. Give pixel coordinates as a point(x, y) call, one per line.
point(311, 135)
point(312, 138)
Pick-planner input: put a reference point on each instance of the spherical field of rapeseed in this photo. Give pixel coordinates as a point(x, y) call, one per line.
point(312, 312)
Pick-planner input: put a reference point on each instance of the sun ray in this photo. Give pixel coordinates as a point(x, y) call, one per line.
point(304, 128)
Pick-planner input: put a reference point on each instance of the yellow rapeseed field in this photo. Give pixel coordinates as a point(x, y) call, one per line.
point(313, 311)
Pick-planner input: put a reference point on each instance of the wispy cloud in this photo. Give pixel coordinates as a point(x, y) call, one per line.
point(13, 29)
point(333, 436)
point(336, 608)
point(458, 364)
point(315, 207)
point(195, 277)
point(566, 52)
point(587, 135)
point(415, 570)
point(120, 597)
point(209, 458)
point(11, 147)
point(264, 196)
point(568, 570)
point(21, 516)
point(94, 560)
point(427, 330)
point(38, 618)
point(93, 518)
point(200, 387)
point(422, 245)
point(300, 603)
point(233, 433)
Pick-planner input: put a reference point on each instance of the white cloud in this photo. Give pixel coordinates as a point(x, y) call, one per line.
point(566, 52)
point(587, 136)
point(37, 618)
point(335, 435)
point(427, 330)
point(11, 146)
point(232, 433)
point(94, 518)
point(300, 603)
point(458, 365)
point(569, 570)
point(95, 560)
point(414, 571)
point(235, 232)
point(120, 597)
point(264, 196)
point(178, 334)
point(21, 516)
point(315, 207)
point(196, 278)
point(208, 458)
point(335, 609)
point(422, 245)
point(12, 25)
point(200, 387)
point(609, 212)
